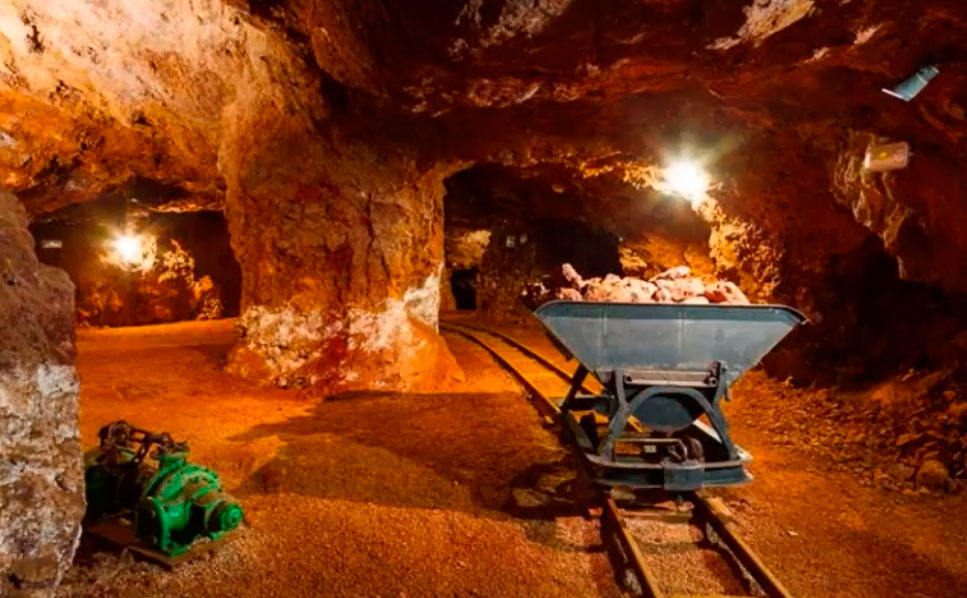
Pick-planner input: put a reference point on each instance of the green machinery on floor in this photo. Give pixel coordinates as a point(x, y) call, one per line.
point(170, 504)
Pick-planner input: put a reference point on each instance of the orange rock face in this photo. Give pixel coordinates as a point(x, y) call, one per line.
point(342, 258)
point(41, 486)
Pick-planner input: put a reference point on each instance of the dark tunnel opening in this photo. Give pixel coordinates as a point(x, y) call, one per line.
point(463, 286)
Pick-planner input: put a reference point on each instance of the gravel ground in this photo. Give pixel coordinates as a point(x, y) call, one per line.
point(362, 494)
point(462, 493)
point(682, 562)
point(824, 531)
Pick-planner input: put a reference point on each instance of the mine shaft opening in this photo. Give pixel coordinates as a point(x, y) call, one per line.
point(505, 228)
point(463, 286)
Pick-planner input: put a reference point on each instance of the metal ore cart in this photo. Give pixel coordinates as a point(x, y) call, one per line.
point(664, 369)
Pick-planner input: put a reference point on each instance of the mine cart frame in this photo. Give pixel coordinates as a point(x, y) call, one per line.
point(626, 394)
point(662, 368)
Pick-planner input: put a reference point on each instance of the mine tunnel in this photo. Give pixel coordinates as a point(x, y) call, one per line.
point(491, 298)
point(132, 268)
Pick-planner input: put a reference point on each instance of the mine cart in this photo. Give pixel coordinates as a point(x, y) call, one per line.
point(664, 369)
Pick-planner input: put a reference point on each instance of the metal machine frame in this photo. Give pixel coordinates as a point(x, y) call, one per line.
point(663, 367)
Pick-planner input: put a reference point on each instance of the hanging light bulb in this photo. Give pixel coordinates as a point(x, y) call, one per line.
point(131, 251)
point(686, 178)
point(128, 248)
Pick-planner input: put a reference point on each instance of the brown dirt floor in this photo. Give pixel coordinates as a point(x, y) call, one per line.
point(359, 494)
point(459, 494)
point(824, 533)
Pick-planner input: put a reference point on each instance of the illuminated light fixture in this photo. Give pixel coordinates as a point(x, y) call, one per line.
point(130, 251)
point(128, 248)
point(686, 178)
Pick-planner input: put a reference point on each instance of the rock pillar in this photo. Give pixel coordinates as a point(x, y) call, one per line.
point(41, 479)
point(340, 242)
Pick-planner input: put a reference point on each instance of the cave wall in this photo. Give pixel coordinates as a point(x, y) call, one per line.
point(511, 260)
point(651, 254)
point(464, 246)
point(917, 212)
point(527, 252)
point(41, 482)
point(778, 98)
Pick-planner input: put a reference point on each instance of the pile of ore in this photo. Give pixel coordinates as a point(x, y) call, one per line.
point(676, 285)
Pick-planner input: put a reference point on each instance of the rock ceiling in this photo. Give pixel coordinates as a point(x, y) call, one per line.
point(781, 94)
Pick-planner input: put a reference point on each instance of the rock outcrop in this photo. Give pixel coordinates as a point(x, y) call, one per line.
point(41, 480)
point(913, 211)
point(183, 270)
point(168, 290)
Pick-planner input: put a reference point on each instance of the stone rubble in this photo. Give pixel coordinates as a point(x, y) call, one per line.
point(676, 285)
point(907, 434)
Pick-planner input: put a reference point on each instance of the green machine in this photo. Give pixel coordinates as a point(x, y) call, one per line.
point(171, 504)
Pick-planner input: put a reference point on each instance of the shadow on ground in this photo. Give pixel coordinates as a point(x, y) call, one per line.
point(483, 452)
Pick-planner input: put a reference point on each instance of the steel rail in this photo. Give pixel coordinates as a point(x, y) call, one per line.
point(545, 401)
point(646, 577)
point(561, 372)
point(611, 513)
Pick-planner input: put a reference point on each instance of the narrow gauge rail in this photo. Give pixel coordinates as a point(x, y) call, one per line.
point(545, 381)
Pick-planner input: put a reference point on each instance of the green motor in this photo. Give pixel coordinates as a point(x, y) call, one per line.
point(171, 504)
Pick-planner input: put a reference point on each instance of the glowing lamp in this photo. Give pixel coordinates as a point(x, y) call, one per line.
point(686, 179)
point(128, 248)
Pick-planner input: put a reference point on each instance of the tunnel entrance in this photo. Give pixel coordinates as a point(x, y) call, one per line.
point(574, 242)
point(134, 266)
point(462, 284)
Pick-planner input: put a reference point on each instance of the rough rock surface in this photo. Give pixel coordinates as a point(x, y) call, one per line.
point(653, 254)
point(341, 244)
point(907, 433)
point(589, 98)
point(910, 209)
point(41, 483)
point(168, 290)
point(465, 248)
point(675, 285)
point(185, 269)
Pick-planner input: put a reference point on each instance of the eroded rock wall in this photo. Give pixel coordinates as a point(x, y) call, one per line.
point(506, 266)
point(777, 98)
point(917, 212)
point(341, 247)
point(41, 479)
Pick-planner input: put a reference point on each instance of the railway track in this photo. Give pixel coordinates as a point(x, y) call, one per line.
point(637, 527)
